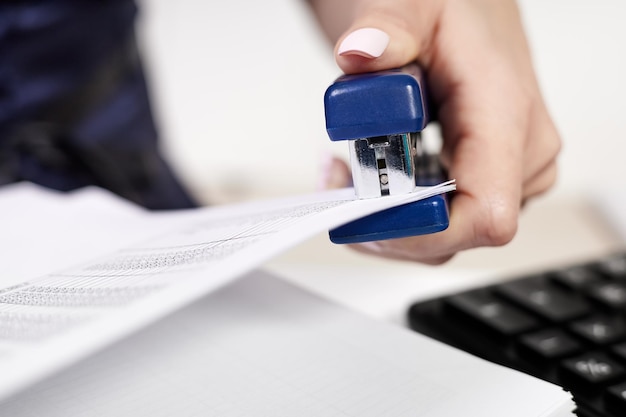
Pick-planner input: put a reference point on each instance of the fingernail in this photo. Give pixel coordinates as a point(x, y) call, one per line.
point(365, 42)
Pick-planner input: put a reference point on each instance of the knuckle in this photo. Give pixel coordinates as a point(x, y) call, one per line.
point(554, 144)
point(557, 143)
point(544, 183)
point(551, 177)
point(499, 225)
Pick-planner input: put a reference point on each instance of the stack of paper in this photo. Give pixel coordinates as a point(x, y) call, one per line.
point(259, 347)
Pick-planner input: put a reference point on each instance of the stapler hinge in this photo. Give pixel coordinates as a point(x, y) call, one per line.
point(385, 165)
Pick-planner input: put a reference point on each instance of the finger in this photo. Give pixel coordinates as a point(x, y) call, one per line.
point(471, 225)
point(485, 139)
point(375, 248)
point(543, 145)
point(335, 174)
point(541, 182)
point(385, 34)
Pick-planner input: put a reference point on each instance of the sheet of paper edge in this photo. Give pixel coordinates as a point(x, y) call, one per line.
point(122, 323)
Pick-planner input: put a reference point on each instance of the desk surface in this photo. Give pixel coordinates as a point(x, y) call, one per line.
point(553, 231)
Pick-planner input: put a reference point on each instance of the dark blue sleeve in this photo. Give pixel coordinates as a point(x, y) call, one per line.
point(74, 107)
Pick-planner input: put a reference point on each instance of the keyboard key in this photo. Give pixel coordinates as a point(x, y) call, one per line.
point(614, 266)
point(566, 326)
point(611, 294)
point(619, 350)
point(487, 311)
point(600, 330)
point(549, 344)
point(576, 278)
point(590, 371)
point(615, 399)
point(546, 299)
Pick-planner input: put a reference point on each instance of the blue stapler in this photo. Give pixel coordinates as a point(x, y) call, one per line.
point(381, 116)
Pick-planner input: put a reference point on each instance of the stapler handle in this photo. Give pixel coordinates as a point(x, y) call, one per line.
point(376, 104)
point(381, 105)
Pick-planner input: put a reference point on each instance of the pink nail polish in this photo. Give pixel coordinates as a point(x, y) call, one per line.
point(365, 42)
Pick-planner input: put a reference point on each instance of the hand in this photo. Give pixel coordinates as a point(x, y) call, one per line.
point(499, 141)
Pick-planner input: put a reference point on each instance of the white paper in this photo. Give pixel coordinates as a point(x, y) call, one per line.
point(261, 347)
point(50, 322)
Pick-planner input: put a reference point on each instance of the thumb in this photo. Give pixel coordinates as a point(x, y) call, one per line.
point(335, 173)
point(386, 34)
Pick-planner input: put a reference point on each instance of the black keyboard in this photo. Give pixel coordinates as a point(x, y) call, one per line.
point(566, 326)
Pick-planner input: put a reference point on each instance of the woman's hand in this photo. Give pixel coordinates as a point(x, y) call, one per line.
point(500, 143)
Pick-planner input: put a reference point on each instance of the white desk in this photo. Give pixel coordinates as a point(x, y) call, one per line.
point(553, 231)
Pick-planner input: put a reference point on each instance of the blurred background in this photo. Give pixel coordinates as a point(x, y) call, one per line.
point(238, 89)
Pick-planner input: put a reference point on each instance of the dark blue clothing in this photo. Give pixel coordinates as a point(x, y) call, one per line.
point(74, 108)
